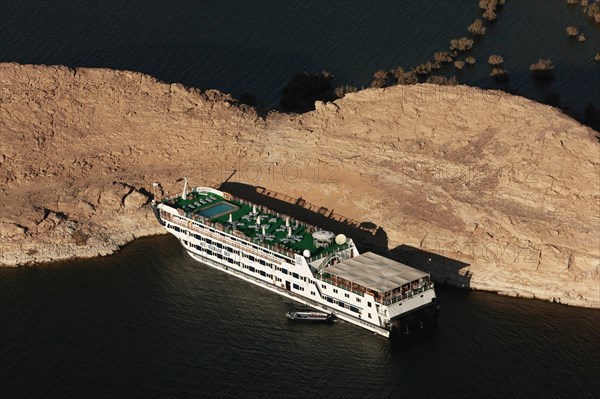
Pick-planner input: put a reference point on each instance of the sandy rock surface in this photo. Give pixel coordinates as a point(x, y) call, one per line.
point(507, 187)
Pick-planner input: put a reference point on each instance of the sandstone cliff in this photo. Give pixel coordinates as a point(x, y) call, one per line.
point(508, 186)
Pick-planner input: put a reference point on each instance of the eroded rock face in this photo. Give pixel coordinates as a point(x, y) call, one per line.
point(506, 186)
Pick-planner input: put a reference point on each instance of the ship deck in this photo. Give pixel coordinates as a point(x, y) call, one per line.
point(236, 215)
point(376, 272)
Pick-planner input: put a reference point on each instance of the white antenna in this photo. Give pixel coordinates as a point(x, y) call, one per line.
point(264, 230)
point(230, 218)
point(289, 231)
point(254, 209)
point(258, 220)
point(184, 192)
point(287, 222)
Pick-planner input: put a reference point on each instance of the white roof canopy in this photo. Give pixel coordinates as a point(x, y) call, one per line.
point(375, 272)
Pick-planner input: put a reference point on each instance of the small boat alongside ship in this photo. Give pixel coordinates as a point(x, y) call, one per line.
point(310, 316)
point(294, 259)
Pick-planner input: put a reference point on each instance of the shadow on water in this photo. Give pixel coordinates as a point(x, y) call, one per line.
point(366, 235)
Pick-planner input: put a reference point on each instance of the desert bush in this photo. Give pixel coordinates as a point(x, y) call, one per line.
point(462, 44)
point(477, 28)
point(499, 74)
point(597, 57)
point(572, 30)
point(489, 15)
point(342, 90)
point(593, 11)
point(489, 7)
point(581, 38)
point(380, 78)
point(542, 69)
point(495, 59)
point(426, 68)
point(442, 56)
point(442, 80)
point(541, 65)
point(405, 77)
point(459, 64)
point(470, 60)
point(485, 4)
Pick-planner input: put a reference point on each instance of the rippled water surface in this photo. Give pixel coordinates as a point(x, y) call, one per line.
point(152, 322)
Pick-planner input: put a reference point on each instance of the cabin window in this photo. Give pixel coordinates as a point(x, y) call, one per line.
point(369, 314)
point(347, 295)
point(284, 271)
point(357, 299)
point(312, 293)
point(295, 275)
point(323, 286)
point(353, 309)
point(296, 286)
point(329, 299)
point(369, 304)
point(335, 291)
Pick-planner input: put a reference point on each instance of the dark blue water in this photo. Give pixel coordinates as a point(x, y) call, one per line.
point(256, 46)
point(152, 322)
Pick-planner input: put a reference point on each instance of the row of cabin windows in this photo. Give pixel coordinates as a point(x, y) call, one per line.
point(252, 269)
point(237, 252)
point(342, 304)
point(335, 291)
point(262, 262)
point(231, 238)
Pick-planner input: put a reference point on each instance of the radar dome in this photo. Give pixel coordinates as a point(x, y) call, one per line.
point(340, 239)
point(306, 253)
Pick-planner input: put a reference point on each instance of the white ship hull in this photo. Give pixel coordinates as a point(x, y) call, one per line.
point(290, 277)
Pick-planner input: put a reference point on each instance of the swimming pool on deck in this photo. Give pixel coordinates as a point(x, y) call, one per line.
point(220, 209)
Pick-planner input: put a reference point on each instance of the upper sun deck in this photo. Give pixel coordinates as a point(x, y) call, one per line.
point(253, 222)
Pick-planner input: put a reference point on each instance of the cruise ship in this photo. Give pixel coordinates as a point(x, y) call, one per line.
point(294, 259)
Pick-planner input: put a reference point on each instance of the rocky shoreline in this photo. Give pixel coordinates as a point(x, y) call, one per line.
point(507, 186)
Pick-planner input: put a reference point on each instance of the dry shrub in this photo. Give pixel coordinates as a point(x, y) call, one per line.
point(572, 30)
point(462, 44)
point(477, 28)
point(442, 80)
point(380, 78)
point(405, 77)
point(495, 59)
